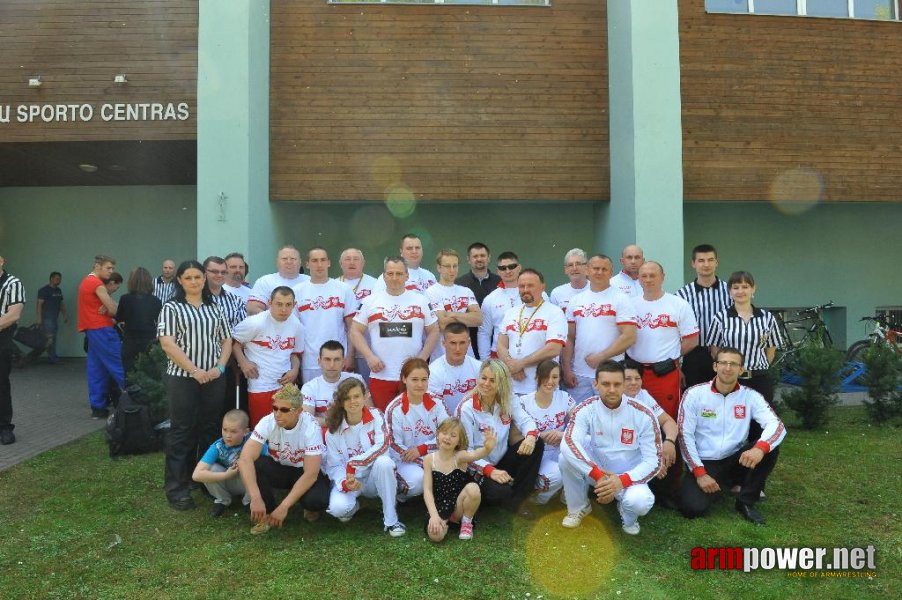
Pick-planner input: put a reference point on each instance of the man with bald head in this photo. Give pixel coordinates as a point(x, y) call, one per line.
point(667, 331)
point(627, 280)
point(288, 274)
point(164, 285)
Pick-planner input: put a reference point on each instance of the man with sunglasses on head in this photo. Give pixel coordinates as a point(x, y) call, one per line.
point(505, 297)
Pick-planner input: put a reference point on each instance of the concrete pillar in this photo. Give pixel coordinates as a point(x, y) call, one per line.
point(645, 135)
point(233, 209)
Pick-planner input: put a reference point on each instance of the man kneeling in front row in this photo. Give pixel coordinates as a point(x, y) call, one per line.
point(714, 424)
point(613, 444)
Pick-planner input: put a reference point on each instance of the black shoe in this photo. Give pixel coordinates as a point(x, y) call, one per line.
point(667, 502)
point(217, 510)
point(749, 513)
point(181, 504)
point(7, 437)
point(99, 413)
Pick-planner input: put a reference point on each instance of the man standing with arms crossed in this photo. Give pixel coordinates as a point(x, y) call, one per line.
point(95, 318)
point(601, 325)
point(12, 300)
point(708, 296)
point(400, 324)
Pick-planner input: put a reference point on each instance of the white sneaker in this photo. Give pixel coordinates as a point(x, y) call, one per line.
point(631, 529)
point(572, 520)
point(396, 530)
point(350, 515)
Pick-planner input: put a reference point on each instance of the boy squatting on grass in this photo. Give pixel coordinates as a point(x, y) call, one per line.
point(218, 467)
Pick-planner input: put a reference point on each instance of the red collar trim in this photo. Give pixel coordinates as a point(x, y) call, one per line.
point(501, 284)
point(717, 391)
point(367, 416)
point(428, 402)
point(476, 404)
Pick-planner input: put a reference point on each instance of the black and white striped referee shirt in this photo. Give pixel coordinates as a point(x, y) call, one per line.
point(199, 332)
point(232, 306)
point(163, 290)
point(706, 303)
point(11, 292)
point(751, 338)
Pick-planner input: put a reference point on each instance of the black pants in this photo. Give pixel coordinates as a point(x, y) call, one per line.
point(132, 346)
point(524, 470)
point(669, 487)
point(195, 424)
point(272, 475)
point(6, 398)
point(764, 385)
point(695, 503)
point(235, 383)
point(698, 366)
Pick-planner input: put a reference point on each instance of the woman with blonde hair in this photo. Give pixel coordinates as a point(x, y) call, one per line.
point(509, 471)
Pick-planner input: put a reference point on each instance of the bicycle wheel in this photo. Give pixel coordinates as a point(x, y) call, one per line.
point(857, 350)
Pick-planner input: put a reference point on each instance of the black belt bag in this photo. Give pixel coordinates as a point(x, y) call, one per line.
point(664, 367)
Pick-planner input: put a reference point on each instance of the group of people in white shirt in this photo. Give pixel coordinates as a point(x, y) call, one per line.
point(557, 402)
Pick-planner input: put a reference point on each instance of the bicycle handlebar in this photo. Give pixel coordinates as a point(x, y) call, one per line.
point(817, 309)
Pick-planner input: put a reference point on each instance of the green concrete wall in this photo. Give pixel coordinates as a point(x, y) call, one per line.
point(63, 228)
point(539, 233)
point(846, 252)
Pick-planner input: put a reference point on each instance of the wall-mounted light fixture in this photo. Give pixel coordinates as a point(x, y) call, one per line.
point(121, 78)
point(88, 167)
point(34, 81)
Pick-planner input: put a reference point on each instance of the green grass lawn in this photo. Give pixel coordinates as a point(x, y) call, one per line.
point(64, 512)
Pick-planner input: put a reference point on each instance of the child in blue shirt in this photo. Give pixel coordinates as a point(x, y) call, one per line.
point(218, 467)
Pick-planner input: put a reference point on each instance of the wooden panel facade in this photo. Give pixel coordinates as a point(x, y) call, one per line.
point(439, 102)
point(775, 106)
point(77, 48)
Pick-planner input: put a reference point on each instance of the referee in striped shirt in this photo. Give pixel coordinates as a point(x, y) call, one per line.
point(195, 336)
point(708, 297)
point(164, 285)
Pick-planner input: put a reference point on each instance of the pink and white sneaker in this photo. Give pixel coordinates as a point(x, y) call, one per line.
point(466, 531)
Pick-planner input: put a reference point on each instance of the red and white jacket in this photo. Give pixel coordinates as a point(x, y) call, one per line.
point(413, 425)
point(625, 441)
point(475, 421)
point(714, 426)
point(353, 449)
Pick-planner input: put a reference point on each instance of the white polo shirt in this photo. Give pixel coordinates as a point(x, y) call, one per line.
point(663, 323)
point(562, 294)
point(396, 327)
point(529, 328)
point(322, 308)
point(269, 344)
point(596, 316)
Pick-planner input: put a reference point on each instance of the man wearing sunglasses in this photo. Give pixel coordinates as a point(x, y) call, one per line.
point(295, 447)
point(505, 297)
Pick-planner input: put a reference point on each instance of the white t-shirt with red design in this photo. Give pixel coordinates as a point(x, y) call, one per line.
point(319, 393)
point(596, 316)
point(264, 286)
point(418, 279)
point(529, 328)
point(450, 383)
point(663, 323)
point(627, 285)
point(289, 446)
point(450, 298)
point(552, 418)
point(269, 344)
point(396, 327)
point(322, 308)
point(563, 294)
point(361, 287)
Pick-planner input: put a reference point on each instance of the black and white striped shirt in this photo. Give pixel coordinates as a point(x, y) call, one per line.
point(199, 332)
point(162, 289)
point(11, 292)
point(232, 306)
point(706, 303)
point(751, 338)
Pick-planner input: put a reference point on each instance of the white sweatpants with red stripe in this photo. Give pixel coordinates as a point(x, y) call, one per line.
point(549, 480)
point(634, 501)
point(410, 479)
point(379, 482)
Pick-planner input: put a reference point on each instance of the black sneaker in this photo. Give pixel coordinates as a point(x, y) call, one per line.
point(99, 413)
point(217, 510)
point(7, 437)
point(181, 504)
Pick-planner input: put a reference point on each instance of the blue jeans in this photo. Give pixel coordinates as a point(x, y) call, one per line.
point(51, 326)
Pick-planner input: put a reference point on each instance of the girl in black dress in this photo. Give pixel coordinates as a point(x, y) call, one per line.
point(448, 492)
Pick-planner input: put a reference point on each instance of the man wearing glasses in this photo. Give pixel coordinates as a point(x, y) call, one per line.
point(295, 448)
point(576, 270)
point(714, 424)
point(505, 297)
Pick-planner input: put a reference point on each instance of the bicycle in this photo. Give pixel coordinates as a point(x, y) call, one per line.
point(815, 333)
point(885, 332)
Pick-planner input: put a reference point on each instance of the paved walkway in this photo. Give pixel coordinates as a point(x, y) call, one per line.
point(50, 408)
